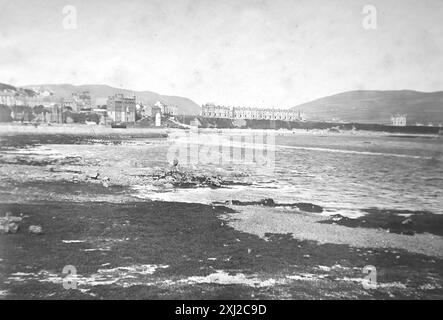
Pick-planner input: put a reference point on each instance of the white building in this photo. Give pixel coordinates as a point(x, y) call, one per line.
point(121, 108)
point(211, 110)
point(398, 120)
point(10, 98)
point(167, 109)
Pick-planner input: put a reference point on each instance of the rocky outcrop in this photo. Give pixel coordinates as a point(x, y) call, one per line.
point(394, 221)
point(35, 230)
point(269, 202)
point(186, 179)
point(9, 223)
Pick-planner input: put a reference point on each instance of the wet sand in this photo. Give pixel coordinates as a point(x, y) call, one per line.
point(304, 226)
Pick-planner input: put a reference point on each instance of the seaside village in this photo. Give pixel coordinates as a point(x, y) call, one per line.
point(43, 106)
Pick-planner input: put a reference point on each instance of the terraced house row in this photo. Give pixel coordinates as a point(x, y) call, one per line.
point(210, 110)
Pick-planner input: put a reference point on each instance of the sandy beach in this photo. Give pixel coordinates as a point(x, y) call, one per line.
point(76, 129)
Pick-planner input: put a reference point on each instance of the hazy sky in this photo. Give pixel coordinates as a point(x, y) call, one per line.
point(236, 52)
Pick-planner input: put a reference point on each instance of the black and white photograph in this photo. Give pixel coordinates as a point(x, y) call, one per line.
point(230, 150)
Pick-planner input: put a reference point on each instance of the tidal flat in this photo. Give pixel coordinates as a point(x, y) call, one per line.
point(131, 233)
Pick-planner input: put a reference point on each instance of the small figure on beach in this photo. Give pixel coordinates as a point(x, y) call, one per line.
point(175, 164)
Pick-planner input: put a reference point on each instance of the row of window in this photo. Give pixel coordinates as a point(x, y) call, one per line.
point(243, 115)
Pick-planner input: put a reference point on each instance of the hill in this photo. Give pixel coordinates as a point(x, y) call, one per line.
point(376, 107)
point(99, 94)
point(17, 90)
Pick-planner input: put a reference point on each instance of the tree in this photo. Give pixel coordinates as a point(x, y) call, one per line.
point(38, 109)
point(138, 115)
point(93, 117)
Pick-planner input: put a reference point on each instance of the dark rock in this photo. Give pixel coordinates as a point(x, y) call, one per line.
point(94, 176)
point(189, 180)
point(269, 202)
point(10, 227)
point(35, 230)
point(264, 202)
point(309, 207)
point(336, 217)
point(393, 221)
point(9, 223)
point(334, 129)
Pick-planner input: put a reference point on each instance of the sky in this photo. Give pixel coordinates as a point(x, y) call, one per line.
point(232, 52)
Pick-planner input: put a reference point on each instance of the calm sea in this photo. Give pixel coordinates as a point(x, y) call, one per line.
point(342, 172)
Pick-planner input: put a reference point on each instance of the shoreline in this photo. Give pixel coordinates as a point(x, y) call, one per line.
point(81, 129)
point(84, 129)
